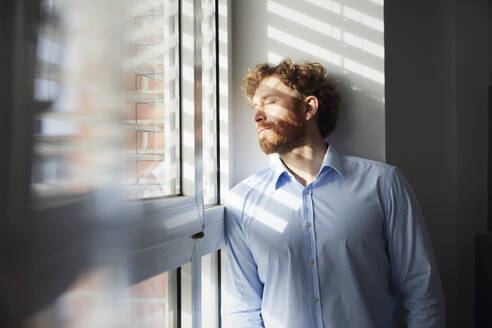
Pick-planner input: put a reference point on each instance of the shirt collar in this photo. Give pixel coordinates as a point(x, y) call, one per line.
point(330, 161)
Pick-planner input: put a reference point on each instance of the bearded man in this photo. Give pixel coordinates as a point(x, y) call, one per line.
point(320, 239)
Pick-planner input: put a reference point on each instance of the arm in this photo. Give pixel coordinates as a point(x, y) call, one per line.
point(243, 289)
point(413, 265)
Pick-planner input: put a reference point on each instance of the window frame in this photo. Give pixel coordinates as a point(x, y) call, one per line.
point(28, 227)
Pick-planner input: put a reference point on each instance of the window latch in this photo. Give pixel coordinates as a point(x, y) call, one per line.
point(198, 235)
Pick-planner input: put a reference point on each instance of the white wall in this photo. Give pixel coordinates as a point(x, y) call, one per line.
point(346, 36)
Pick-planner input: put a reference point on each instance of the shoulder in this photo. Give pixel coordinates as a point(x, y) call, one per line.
point(391, 180)
point(258, 181)
point(370, 171)
point(249, 189)
point(241, 198)
point(261, 178)
point(358, 163)
point(388, 180)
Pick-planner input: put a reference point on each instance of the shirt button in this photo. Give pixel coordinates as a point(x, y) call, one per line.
point(308, 224)
point(311, 262)
point(315, 300)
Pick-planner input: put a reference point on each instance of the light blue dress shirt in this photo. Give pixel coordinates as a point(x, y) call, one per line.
point(332, 254)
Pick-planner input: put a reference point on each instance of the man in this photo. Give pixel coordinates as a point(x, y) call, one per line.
point(320, 239)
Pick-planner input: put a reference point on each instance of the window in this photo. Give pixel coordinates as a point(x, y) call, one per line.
point(152, 302)
point(151, 113)
point(117, 103)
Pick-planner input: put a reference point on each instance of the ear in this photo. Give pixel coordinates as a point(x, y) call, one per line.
point(310, 107)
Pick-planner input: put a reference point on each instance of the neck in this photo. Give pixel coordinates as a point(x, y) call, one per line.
point(304, 162)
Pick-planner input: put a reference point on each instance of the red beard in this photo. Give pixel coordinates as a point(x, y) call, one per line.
point(282, 136)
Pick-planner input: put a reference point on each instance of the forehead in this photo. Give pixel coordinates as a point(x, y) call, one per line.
point(272, 86)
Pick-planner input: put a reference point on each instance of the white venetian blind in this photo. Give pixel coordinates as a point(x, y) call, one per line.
point(111, 111)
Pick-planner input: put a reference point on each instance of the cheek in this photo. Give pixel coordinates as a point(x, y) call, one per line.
point(279, 109)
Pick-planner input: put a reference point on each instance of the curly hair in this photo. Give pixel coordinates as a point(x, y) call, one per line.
point(308, 79)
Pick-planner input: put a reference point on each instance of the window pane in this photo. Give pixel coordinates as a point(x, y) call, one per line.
point(209, 290)
point(209, 103)
point(186, 296)
point(92, 299)
point(152, 302)
point(76, 89)
point(152, 108)
point(210, 295)
point(88, 133)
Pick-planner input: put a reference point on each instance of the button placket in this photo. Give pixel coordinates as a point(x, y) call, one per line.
point(311, 258)
point(310, 236)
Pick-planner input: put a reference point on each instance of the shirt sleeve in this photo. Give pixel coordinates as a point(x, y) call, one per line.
point(413, 265)
point(243, 289)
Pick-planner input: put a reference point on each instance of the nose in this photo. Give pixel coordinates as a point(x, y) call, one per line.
point(259, 116)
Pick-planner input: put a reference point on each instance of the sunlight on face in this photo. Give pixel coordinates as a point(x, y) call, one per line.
point(277, 116)
point(273, 86)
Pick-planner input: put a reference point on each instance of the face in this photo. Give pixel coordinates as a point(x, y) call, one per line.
point(277, 115)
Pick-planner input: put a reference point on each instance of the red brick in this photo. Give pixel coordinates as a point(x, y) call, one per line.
point(154, 140)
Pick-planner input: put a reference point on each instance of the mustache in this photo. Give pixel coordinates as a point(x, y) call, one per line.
point(264, 126)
